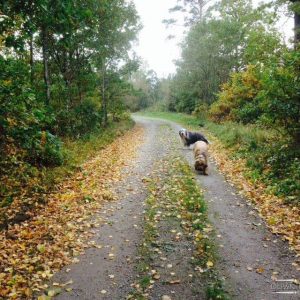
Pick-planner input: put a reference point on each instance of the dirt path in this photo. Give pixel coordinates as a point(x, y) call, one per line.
point(249, 254)
point(107, 270)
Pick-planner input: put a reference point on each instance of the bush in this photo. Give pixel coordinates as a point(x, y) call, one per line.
point(82, 119)
point(46, 150)
point(201, 111)
point(237, 99)
point(265, 94)
point(270, 156)
point(278, 166)
point(279, 96)
point(88, 116)
point(23, 119)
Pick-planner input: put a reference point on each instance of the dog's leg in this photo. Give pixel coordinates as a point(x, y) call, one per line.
point(205, 171)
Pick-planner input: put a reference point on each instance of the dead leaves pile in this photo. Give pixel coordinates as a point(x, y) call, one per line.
point(280, 218)
point(30, 253)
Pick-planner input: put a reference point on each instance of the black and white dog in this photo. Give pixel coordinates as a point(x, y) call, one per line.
point(188, 138)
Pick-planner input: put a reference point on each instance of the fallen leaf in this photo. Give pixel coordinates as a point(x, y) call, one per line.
point(260, 270)
point(44, 297)
point(209, 264)
point(54, 292)
point(156, 276)
point(174, 281)
point(41, 248)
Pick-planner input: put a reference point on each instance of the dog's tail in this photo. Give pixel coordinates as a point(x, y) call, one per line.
point(205, 140)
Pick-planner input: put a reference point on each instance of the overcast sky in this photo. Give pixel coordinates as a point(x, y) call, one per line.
point(153, 45)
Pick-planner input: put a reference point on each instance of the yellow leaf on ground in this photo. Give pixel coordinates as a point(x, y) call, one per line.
point(209, 264)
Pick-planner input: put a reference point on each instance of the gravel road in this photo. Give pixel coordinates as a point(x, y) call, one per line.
point(249, 254)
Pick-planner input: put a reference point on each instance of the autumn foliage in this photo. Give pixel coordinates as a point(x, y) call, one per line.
point(236, 101)
point(263, 94)
point(52, 69)
point(32, 251)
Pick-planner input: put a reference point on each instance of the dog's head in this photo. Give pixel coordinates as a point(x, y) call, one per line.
point(201, 163)
point(183, 133)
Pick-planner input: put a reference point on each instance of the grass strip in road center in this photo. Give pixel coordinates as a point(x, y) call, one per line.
point(177, 255)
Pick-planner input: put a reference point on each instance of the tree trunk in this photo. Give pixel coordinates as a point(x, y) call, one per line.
point(296, 24)
point(104, 100)
point(46, 64)
point(79, 91)
point(297, 28)
point(31, 62)
point(68, 88)
point(201, 4)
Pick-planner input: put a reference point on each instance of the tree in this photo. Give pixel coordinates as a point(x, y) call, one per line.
point(193, 11)
point(296, 9)
point(116, 27)
point(55, 58)
point(220, 43)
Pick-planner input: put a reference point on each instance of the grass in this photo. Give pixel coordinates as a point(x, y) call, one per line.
point(270, 156)
point(183, 119)
point(230, 134)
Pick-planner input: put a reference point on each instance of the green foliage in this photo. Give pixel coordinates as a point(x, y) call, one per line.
point(80, 120)
point(87, 116)
point(230, 36)
point(279, 168)
point(201, 111)
point(146, 90)
point(267, 95)
point(280, 93)
point(24, 120)
point(216, 291)
point(236, 101)
point(63, 70)
point(44, 149)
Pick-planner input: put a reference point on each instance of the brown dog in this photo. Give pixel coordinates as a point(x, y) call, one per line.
point(201, 156)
